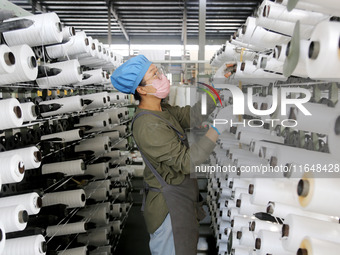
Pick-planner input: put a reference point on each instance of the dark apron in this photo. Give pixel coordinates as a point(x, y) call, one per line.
point(183, 202)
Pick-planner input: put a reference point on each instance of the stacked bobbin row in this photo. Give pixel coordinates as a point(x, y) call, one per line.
point(277, 43)
point(270, 196)
point(65, 174)
point(275, 175)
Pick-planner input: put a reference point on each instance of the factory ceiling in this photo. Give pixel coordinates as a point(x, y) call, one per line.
point(147, 19)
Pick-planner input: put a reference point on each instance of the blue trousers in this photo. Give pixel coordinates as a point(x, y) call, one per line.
point(162, 240)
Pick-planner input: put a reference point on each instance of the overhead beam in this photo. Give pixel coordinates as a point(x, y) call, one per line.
point(184, 39)
point(119, 22)
point(36, 5)
point(161, 39)
point(109, 34)
point(180, 61)
point(236, 22)
point(201, 33)
point(184, 24)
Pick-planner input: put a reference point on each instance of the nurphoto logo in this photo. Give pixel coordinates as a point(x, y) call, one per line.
point(239, 104)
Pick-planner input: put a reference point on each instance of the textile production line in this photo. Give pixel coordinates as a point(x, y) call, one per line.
point(273, 179)
point(65, 159)
point(273, 176)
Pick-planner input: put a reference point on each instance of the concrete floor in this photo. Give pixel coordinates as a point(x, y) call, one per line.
point(135, 239)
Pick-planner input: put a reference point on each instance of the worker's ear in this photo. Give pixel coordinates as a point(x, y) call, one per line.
point(141, 90)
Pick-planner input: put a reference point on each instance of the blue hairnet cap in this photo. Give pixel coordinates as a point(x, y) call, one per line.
point(127, 76)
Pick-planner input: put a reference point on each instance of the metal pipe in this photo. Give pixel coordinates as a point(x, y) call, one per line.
point(120, 24)
point(109, 23)
point(180, 61)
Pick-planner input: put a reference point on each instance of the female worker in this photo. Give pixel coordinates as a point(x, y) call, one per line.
point(171, 207)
